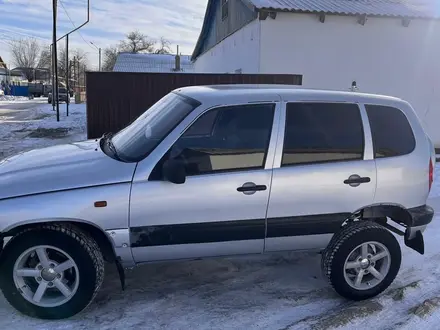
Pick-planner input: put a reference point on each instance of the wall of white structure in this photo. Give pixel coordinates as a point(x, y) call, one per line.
point(240, 51)
point(382, 56)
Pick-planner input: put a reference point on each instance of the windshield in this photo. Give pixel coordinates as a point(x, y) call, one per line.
point(139, 139)
point(62, 90)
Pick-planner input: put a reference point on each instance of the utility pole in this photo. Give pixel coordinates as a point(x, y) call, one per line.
point(67, 75)
point(52, 74)
point(99, 51)
point(84, 74)
point(78, 73)
point(74, 76)
point(55, 59)
point(54, 41)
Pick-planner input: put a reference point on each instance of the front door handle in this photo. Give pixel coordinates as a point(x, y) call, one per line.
point(355, 180)
point(250, 188)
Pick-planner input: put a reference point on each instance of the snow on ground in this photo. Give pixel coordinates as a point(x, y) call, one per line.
point(280, 291)
point(41, 129)
point(10, 98)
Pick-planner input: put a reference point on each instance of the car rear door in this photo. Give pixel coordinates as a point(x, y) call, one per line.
point(323, 171)
point(221, 208)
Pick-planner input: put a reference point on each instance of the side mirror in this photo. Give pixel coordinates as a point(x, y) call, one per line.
point(174, 171)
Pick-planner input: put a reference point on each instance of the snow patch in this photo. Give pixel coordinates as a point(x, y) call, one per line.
point(41, 129)
point(10, 98)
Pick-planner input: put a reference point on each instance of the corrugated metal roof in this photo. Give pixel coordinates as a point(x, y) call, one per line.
point(396, 8)
point(128, 62)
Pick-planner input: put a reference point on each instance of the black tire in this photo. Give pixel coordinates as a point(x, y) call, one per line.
point(344, 242)
point(83, 250)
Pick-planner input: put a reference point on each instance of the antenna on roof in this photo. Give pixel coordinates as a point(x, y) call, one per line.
point(354, 87)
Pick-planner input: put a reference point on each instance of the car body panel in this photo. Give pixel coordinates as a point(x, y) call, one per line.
point(403, 179)
point(76, 205)
point(61, 167)
point(162, 214)
point(314, 195)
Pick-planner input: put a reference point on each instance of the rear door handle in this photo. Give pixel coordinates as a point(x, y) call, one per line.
point(250, 188)
point(355, 180)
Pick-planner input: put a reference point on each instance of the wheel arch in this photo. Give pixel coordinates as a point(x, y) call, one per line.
point(104, 242)
point(396, 212)
point(400, 215)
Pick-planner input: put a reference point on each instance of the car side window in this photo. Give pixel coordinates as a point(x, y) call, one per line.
point(203, 126)
point(226, 139)
point(322, 132)
point(391, 131)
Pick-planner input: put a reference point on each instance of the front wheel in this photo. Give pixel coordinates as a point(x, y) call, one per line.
point(51, 272)
point(362, 260)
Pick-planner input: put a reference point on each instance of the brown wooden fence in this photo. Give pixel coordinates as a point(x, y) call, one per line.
point(115, 99)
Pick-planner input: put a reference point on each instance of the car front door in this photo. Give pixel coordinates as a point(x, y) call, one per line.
point(221, 208)
point(323, 171)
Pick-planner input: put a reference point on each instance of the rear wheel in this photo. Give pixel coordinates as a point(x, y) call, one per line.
point(362, 260)
point(51, 272)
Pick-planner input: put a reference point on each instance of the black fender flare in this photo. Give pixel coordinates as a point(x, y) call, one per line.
point(396, 212)
point(399, 214)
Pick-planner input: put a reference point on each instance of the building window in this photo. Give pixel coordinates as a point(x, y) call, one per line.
point(225, 9)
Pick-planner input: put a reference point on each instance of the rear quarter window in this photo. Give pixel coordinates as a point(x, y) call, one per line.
point(392, 134)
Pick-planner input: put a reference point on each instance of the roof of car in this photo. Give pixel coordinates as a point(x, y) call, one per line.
point(268, 92)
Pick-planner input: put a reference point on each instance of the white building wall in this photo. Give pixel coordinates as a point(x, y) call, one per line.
point(239, 51)
point(382, 56)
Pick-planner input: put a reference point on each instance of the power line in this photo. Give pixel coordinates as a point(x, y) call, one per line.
point(5, 39)
point(5, 36)
point(73, 24)
point(23, 34)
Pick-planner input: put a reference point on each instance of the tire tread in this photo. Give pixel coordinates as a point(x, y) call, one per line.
point(83, 238)
point(338, 241)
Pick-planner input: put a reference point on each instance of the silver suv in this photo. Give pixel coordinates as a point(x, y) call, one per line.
point(219, 171)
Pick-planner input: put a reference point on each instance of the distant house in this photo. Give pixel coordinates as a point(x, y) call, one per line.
point(386, 46)
point(7, 75)
point(128, 62)
point(38, 74)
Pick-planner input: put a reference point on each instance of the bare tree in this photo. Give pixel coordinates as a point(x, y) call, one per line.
point(76, 57)
point(80, 60)
point(25, 55)
point(164, 47)
point(137, 42)
point(45, 59)
point(110, 55)
point(80, 56)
